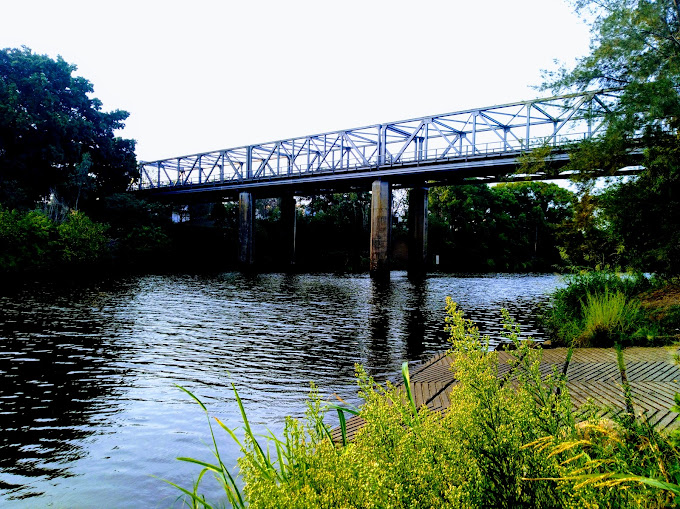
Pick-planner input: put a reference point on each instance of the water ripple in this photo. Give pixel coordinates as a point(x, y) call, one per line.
point(88, 404)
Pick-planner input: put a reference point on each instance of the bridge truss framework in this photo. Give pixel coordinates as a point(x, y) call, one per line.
point(435, 143)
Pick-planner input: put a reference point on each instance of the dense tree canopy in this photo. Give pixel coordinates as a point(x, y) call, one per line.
point(505, 227)
point(636, 49)
point(54, 138)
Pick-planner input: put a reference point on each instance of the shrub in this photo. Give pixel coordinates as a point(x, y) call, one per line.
point(26, 240)
point(597, 283)
point(81, 239)
point(33, 241)
point(608, 319)
point(407, 457)
point(598, 309)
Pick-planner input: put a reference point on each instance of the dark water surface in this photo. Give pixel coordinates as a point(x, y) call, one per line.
point(89, 411)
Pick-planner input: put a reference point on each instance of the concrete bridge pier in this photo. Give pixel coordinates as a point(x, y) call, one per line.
point(417, 228)
point(246, 226)
point(381, 228)
point(289, 224)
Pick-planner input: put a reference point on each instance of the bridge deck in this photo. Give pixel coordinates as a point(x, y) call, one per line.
point(593, 377)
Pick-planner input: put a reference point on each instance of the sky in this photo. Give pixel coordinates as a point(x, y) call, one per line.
point(204, 75)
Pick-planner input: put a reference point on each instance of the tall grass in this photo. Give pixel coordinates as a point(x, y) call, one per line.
point(607, 319)
point(598, 309)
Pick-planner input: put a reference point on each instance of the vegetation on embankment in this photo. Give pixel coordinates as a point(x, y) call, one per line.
point(603, 309)
point(502, 443)
point(123, 232)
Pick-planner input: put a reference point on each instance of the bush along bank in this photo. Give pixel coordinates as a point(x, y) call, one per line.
point(603, 309)
point(33, 241)
point(501, 443)
point(71, 243)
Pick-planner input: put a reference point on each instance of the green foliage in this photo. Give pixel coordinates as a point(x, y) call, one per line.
point(27, 240)
point(31, 241)
point(219, 469)
point(622, 463)
point(408, 457)
point(597, 283)
point(586, 240)
point(339, 226)
point(643, 214)
point(495, 419)
point(504, 442)
point(54, 136)
point(139, 229)
point(604, 308)
point(506, 227)
point(635, 49)
point(142, 243)
point(607, 319)
point(81, 240)
point(538, 161)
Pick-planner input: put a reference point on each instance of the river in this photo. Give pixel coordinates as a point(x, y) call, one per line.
point(90, 415)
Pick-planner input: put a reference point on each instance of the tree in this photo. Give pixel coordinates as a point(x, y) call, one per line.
point(460, 228)
point(337, 225)
point(636, 49)
point(529, 214)
point(510, 226)
point(54, 138)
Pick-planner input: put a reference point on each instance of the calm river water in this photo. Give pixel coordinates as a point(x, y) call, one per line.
point(89, 412)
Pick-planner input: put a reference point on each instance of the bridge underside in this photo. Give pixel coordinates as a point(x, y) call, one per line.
point(381, 181)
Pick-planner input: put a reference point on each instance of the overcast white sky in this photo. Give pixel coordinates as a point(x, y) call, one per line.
point(202, 75)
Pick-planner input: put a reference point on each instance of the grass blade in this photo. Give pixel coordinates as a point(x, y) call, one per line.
point(349, 410)
point(343, 426)
point(407, 383)
point(208, 466)
point(193, 397)
point(193, 496)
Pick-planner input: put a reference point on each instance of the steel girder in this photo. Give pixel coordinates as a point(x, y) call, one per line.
point(447, 138)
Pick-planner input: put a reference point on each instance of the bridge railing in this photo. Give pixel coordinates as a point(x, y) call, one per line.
point(482, 132)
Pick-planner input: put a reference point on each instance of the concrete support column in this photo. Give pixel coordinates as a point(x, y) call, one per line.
point(289, 224)
point(381, 227)
point(246, 215)
point(417, 230)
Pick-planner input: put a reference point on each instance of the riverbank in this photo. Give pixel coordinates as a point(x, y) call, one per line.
point(518, 430)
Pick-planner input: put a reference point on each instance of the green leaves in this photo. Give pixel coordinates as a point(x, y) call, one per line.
point(503, 442)
point(510, 226)
point(48, 123)
point(636, 49)
point(33, 241)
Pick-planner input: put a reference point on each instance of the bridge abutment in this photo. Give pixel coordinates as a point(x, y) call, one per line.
point(417, 219)
point(246, 216)
point(381, 227)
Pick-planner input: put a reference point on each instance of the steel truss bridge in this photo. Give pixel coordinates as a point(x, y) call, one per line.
point(479, 143)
